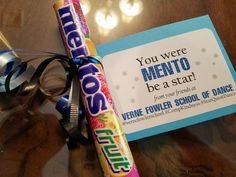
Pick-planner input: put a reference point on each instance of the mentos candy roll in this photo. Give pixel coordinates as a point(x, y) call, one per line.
point(76, 38)
point(112, 147)
point(73, 28)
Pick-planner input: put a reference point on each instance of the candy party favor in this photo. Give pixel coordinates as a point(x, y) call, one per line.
point(110, 141)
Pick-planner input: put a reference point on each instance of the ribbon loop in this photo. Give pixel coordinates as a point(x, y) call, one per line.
point(20, 78)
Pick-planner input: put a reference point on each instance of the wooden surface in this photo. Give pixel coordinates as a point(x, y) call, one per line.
point(31, 141)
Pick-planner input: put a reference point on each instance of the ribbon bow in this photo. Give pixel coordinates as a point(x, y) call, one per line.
point(17, 77)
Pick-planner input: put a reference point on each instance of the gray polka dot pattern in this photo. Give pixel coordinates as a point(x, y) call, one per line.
point(216, 55)
point(214, 76)
point(198, 63)
point(136, 79)
point(117, 87)
point(124, 73)
point(132, 100)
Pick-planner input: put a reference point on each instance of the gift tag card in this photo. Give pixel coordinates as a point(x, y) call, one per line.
point(169, 77)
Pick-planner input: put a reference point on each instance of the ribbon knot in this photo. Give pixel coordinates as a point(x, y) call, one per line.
point(17, 77)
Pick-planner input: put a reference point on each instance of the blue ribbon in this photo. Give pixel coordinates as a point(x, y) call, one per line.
point(18, 77)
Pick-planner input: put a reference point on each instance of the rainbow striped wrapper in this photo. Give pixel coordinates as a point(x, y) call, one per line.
point(112, 147)
point(109, 138)
point(74, 29)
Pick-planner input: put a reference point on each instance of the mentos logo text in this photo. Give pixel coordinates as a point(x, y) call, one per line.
point(73, 34)
point(116, 160)
point(91, 87)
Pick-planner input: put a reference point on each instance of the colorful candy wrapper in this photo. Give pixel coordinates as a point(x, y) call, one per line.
point(74, 30)
point(76, 38)
point(112, 147)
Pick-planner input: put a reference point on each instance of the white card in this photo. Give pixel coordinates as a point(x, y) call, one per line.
point(170, 83)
